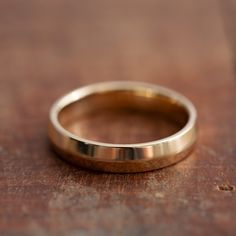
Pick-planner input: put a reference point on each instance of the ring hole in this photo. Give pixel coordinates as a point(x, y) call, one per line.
point(123, 118)
point(123, 126)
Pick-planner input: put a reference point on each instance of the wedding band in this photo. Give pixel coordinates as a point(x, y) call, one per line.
point(111, 157)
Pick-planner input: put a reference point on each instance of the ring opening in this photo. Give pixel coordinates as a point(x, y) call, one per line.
point(124, 117)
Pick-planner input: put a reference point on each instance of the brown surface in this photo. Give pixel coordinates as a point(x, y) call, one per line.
point(50, 47)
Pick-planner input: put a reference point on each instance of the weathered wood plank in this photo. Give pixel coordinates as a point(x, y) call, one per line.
point(50, 47)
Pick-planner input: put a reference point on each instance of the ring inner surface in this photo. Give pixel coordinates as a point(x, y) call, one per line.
point(124, 117)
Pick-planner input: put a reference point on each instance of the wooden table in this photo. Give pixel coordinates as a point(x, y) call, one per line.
point(48, 48)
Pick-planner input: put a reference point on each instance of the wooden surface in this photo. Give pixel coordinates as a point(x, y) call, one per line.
point(48, 48)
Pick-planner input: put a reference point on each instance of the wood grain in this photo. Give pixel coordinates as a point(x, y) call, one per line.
point(49, 47)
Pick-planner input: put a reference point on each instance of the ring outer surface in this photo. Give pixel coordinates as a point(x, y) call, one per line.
point(122, 158)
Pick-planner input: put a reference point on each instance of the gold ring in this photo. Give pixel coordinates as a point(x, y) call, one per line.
point(111, 157)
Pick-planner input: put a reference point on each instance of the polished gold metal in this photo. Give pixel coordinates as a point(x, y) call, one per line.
point(137, 157)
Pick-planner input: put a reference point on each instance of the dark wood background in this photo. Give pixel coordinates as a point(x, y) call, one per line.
point(48, 48)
